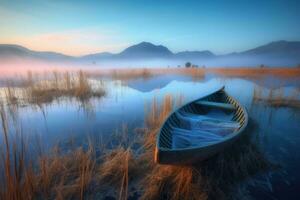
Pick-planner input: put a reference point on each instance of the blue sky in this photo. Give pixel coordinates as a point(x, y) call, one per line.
point(77, 28)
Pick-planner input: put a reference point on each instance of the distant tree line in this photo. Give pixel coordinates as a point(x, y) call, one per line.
point(190, 65)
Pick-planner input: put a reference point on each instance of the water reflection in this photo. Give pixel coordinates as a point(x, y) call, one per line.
point(69, 122)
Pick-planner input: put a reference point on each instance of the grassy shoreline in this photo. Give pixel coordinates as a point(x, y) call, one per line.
point(37, 89)
point(122, 172)
point(145, 73)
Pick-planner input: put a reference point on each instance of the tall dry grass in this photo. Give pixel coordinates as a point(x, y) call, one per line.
point(276, 98)
point(84, 174)
point(216, 178)
point(37, 89)
point(153, 120)
point(70, 85)
point(57, 175)
point(65, 176)
point(13, 184)
point(199, 73)
point(80, 173)
point(119, 168)
point(11, 94)
point(146, 73)
point(161, 181)
point(128, 74)
point(172, 182)
point(284, 72)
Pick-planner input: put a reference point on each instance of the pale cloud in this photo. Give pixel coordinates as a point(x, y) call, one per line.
point(71, 42)
point(70, 36)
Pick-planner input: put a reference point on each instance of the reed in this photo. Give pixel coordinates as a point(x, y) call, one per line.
point(276, 98)
point(199, 73)
point(65, 176)
point(153, 120)
point(37, 91)
point(216, 178)
point(55, 175)
point(172, 182)
point(13, 168)
point(283, 72)
point(119, 167)
point(196, 73)
point(158, 113)
point(11, 94)
point(129, 74)
point(83, 174)
point(165, 182)
point(146, 73)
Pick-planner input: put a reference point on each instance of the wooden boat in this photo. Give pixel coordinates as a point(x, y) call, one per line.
point(200, 129)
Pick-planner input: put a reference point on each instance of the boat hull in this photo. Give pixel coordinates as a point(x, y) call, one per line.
point(188, 156)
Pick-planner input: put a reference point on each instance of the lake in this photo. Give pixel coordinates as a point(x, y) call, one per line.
point(127, 102)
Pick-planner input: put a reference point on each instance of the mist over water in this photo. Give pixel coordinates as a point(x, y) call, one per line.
point(126, 104)
point(109, 99)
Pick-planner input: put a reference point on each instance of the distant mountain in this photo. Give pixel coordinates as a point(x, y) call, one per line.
point(16, 51)
point(103, 55)
point(275, 49)
point(13, 50)
point(145, 50)
point(279, 53)
point(194, 55)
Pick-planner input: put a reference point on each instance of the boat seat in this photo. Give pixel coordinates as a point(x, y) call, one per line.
point(187, 139)
point(226, 106)
point(199, 117)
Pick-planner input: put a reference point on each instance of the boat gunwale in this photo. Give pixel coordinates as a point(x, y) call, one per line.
point(233, 135)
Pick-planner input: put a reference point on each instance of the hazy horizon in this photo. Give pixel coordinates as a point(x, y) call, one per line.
point(121, 50)
point(91, 27)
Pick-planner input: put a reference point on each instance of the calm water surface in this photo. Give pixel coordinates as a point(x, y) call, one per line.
point(127, 104)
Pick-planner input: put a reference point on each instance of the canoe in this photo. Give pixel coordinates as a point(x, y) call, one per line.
point(200, 129)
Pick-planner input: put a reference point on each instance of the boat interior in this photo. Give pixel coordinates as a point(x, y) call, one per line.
point(203, 122)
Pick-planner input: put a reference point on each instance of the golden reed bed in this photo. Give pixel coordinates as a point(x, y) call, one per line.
point(82, 173)
point(250, 72)
point(200, 72)
point(134, 73)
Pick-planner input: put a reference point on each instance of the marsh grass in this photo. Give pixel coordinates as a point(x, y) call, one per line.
point(157, 113)
point(146, 73)
point(120, 167)
point(283, 72)
point(65, 176)
point(13, 168)
point(11, 94)
point(216, 178)
point(37, 89)
point(128, 74)
point(163, 181)
point(196, 73)
point(79, 173)
point(66, 84)
point(56, 175)
point(276, 98)
point(199, 73)
point(172, 182)
point(83, 174)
